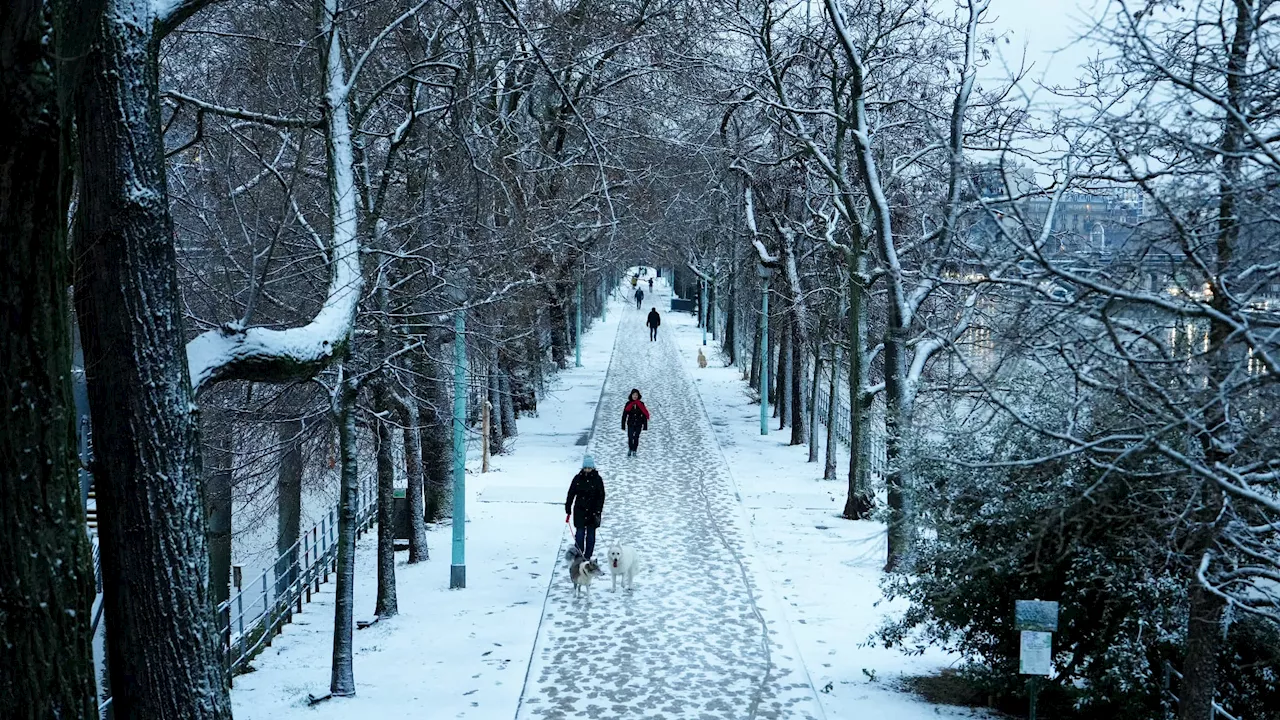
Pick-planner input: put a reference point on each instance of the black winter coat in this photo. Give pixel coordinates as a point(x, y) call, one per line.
point(653, 321)
point(586, 499)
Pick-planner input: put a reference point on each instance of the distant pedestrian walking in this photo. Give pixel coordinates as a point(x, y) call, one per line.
point(639, 297)
point(650, 284)
point(653, 322)
point(585, 502)
point(635, 417)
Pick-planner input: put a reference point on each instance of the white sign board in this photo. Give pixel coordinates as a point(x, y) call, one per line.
point(1037, 653)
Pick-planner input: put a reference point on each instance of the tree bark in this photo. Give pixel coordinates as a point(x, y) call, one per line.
point(46, 571)
point(1204, 621)
point(861, 498)
point(798, 399)
point(829, 468)
point(218, 481)
point(385, 605)
point(897, 425)
point(729, 345)
point(342, 681)
point(288, 503)
point(436, 435)
point(164, 654)
point(1200, 664)
point(756, 355)
point(508, 407)
point(782, 381)
point(496, 434)
point(416, 482)
point(813, 402)
point(559, 325)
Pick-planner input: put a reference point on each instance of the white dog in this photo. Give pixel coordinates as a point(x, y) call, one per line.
point(622, 562)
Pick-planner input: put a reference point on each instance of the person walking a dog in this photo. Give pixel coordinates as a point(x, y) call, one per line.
point(585, 503)
point(635, 417)
point(639, 297)
point(653, 322)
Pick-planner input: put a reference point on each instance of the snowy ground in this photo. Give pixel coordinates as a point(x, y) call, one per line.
point(697, 638)
point(451, 654)
point(826, 570)
point(750, 586)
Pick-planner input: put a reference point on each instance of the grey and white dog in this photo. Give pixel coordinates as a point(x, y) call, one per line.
point(582, 571)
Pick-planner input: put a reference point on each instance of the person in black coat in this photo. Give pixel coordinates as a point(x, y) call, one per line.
point(653, 322)
point(585, 502)
point(639, 297)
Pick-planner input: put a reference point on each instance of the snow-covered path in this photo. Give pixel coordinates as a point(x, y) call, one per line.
point(698, 637)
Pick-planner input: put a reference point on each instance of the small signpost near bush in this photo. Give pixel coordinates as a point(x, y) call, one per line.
point(1037, 620)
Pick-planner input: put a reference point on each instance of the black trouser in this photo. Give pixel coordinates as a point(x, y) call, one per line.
point(585, 539)
point(653, 332)
point(633, 437)
point(637, 303)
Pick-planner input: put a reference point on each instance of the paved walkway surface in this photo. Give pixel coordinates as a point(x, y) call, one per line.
point(697, 638)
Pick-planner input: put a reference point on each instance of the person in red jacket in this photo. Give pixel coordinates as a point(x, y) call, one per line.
point(635, 417)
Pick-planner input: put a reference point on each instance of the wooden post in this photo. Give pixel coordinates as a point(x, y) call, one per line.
point(484, 442)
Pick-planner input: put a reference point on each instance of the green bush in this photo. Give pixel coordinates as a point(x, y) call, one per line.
point(1095, 539)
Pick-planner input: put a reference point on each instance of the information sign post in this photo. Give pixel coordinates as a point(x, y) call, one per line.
point(1037, 620)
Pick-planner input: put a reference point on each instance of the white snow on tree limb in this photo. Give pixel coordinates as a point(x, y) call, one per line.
point(230, 349)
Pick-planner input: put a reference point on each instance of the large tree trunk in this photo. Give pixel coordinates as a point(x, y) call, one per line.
point(496, 433)
point(1204, 621)
point(288, 503)
point(897, 422)
point(508, 406)
point(782, 384)
point(342, 682)
point(756, 354)
point(164, 653)
point(437, 436)
point(729, 344)
point(1200, 665)
point(813, 401)
point(416, 483)
point(559, 325)
point(833, 387)
point(385, 605)
point(46, 657)
point(711, 309)
point(218, 480)
point(861, 498)
point(798, 400)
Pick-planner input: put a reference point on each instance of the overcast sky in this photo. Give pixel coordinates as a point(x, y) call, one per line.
point(1049, 31)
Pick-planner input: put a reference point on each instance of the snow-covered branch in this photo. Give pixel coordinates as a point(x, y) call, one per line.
point(232, 351)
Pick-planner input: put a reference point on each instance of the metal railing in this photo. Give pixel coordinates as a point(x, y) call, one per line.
point(254, 613)
point(256, 610)
point(1171, 672)
point(822, 401)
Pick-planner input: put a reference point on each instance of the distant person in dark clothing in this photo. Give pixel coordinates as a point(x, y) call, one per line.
point(585, 502)
point(635, 417)
point(639, 297)
point(653, 322)
point(650, 284)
